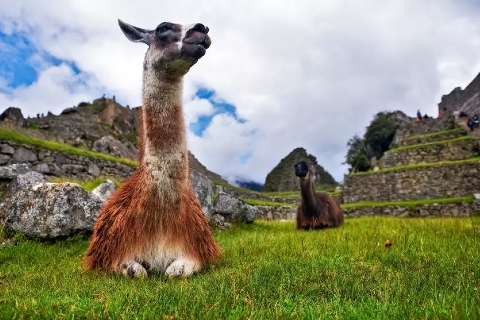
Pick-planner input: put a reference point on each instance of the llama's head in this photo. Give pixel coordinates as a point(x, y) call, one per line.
point(302, 168)
point(172, 48)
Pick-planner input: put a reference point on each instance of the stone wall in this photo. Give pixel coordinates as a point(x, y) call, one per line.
point(254, 195)
point(430, 125)
point(413, 140)
point(443, 151)
point(467, 100)
point(460, 209)
point(440, 181)
point(60, 164)
point(276, 213)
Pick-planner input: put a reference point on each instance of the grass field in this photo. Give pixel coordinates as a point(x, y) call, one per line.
point(269, 270)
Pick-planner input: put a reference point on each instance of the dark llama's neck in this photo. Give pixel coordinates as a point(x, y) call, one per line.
point(164, 135)
point(308, 196)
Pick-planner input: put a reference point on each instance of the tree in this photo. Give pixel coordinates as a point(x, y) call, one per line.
point(356, 155)
point(380, 134)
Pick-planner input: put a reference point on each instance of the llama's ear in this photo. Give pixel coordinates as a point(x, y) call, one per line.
point(136, 34)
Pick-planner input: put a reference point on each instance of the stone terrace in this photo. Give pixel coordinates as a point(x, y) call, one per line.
point(435, 160)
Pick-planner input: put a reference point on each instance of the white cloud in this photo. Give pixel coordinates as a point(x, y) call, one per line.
point(309, 73)
point(195, 108)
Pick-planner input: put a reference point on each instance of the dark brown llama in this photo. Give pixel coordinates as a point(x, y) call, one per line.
point(316, 210)
point(154, 222)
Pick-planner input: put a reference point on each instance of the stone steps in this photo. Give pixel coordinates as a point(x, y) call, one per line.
point(449, 150)
point(435, 137)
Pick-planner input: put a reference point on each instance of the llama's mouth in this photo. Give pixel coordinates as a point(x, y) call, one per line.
point(195, 46)
point(199, 39)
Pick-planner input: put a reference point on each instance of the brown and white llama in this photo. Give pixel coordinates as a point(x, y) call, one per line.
point(316, 210)
point(154, 222)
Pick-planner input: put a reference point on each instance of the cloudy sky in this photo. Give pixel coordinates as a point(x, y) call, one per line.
point(279, 74)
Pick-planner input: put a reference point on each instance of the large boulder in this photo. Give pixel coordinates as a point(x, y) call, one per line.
point(105, 190)
point(12, 116)
point(203, 187)
point(24, 181)
point(49, 210)
point(11, 171)
point(233, 209)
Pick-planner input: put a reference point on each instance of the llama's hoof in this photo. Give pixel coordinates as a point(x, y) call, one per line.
point(133, 269)
point(181, 268)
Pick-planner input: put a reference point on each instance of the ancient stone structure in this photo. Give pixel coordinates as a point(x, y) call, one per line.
point(429, 153)
point(467, 100)
point(60, 164)
point(425, 144)
point(459, 209)
point(440, 181)
point(276, 213)
point(435, 137)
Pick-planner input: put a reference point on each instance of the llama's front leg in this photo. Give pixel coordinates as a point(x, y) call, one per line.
point(133, 269)
point(182, 267)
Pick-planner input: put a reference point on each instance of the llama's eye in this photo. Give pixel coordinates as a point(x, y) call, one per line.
point(163, 29)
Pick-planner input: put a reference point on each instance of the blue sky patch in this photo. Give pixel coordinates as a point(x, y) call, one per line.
point(220, 106)
point(18, 64)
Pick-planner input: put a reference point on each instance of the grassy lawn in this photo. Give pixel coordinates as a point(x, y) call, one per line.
point(269, 271)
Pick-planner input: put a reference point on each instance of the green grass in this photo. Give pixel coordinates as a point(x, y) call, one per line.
point(88, 185)
point(419, 165)
point(15, 136)
point(269, 270)
point(467, 137)
point(439, 133)
point(256, 202)
point(411, 203)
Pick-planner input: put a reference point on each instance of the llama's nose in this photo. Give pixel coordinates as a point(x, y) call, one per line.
point(200, 28)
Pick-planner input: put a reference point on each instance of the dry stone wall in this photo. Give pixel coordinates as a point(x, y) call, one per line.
point(442, 151)
point(60, 164)
point(440, 181)
point(460, 209)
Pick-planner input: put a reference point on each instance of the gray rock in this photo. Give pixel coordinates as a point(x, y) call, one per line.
point(203, 187)
point(110, 145)
point(50, 211)
point(26, 180)
point(42, 167)
point(7, 149)
point(22, 155)
point(93, 170)
point(4, 159)
point(105, 190)
point(218, 221)
point(13, 170)
point(233, 209)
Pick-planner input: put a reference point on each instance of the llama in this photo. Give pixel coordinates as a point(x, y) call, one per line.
point(154, 222)
point(316, 210)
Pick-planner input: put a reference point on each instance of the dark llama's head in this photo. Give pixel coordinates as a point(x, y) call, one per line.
point(172, 48)
point(302, 168)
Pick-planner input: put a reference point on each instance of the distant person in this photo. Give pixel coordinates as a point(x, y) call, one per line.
point(470, 124)
point(419, 115)
point(475, 121)
point(425, 116)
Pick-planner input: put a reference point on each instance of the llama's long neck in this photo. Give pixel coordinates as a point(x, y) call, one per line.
point(164, 135)
point(308, 196)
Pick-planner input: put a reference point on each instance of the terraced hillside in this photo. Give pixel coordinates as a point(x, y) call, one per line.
point(435, 173)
